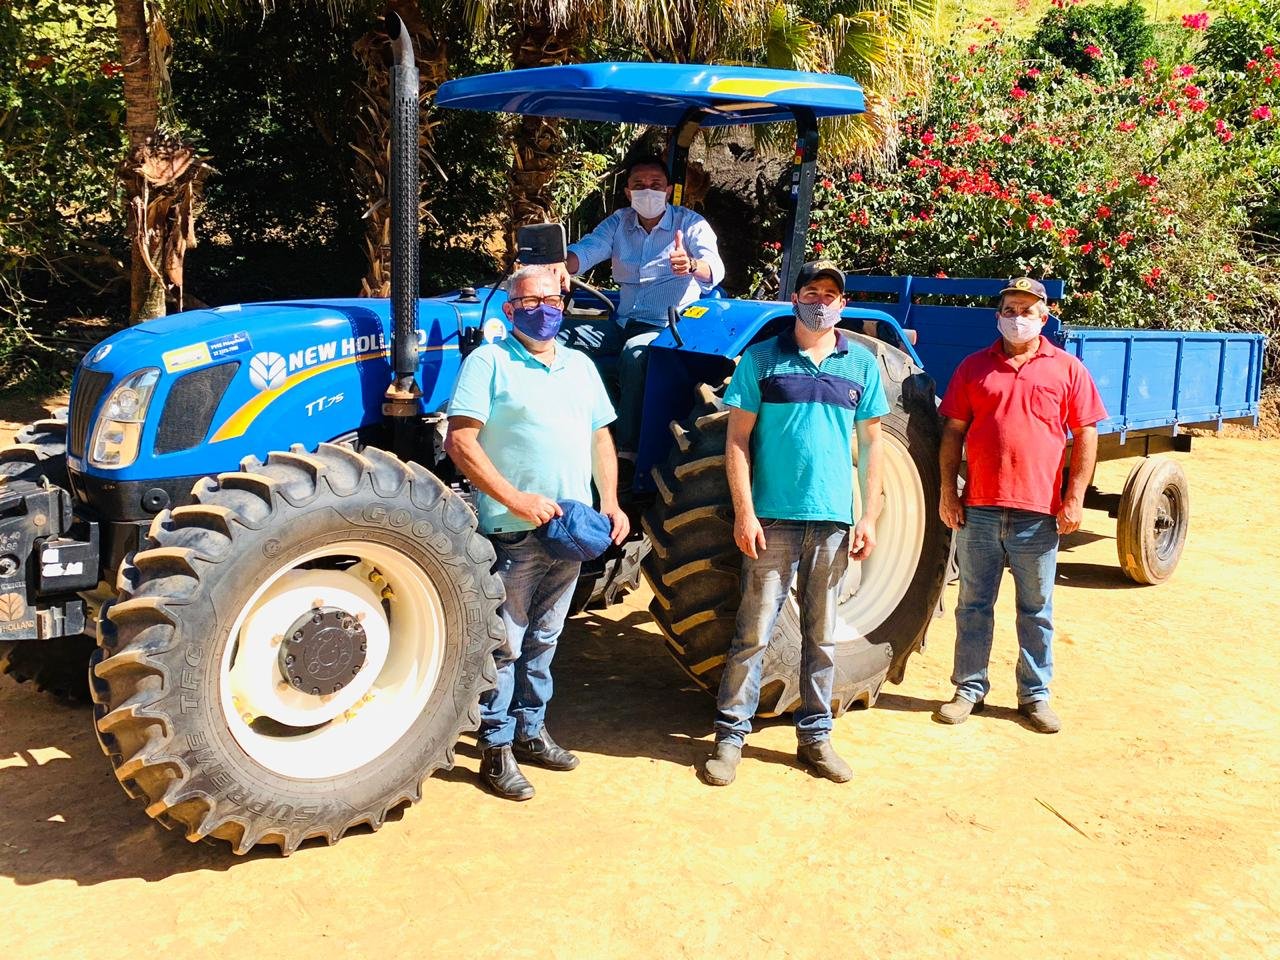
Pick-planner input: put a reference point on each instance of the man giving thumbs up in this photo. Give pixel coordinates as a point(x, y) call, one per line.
point(662, 256)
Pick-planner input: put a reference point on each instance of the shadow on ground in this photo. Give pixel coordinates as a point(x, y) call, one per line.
point(63, 815)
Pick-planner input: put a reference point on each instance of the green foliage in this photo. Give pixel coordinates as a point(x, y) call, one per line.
point(60, 138)
point(1135, 192)
point(1239, 31)
point(1071, 34)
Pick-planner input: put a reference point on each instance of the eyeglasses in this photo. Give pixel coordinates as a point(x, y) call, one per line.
point(532, 303)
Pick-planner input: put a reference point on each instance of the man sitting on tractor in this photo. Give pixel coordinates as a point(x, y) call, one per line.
point(663, 256)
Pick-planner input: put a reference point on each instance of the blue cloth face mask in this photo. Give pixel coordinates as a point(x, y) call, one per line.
point(540, 323)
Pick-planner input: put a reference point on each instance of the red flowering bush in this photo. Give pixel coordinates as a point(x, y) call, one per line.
point(1134, 191)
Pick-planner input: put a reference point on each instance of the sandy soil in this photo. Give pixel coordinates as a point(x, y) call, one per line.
point(1150, 827)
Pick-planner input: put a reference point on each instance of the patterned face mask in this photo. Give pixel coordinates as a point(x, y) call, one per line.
point(819, 316)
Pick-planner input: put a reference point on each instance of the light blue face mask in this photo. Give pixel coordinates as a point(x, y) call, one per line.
point(819, 316)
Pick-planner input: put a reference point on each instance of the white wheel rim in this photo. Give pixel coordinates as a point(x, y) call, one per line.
point(873, 588)
point(297, 734)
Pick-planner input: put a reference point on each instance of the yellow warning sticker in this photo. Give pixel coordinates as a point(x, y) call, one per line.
point(184, 358)
point(694, 312)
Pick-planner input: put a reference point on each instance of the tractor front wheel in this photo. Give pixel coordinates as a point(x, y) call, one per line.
point(291, 655)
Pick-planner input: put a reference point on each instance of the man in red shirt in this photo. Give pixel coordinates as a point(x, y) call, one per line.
point(1011, 406)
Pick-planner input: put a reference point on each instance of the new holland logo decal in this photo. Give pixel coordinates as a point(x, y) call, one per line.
point(267, 370)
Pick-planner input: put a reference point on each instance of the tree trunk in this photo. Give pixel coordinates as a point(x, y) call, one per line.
point(538, 141)
point(162, 176)
point(373, 138)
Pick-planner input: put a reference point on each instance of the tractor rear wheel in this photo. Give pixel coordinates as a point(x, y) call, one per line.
point(291, 655)
point(57, 666)
point(886, 602)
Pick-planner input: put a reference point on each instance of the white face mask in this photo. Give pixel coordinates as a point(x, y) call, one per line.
point(1020, 330)
point(649, 203)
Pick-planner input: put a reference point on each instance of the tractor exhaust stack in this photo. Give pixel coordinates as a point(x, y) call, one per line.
point(403, 394)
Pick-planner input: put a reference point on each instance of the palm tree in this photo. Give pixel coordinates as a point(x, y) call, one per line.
point(161, 174)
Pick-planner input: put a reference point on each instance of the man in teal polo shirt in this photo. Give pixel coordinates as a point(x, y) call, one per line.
point(795, 403)
point(528, 426)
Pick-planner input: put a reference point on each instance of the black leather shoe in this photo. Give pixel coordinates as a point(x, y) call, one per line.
point(544, 752)
point(501, 774)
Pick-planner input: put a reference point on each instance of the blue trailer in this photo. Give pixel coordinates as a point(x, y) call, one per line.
point(248, 526)
point(1155, 384)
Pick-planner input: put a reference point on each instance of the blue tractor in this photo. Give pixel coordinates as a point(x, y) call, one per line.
point(247, 526)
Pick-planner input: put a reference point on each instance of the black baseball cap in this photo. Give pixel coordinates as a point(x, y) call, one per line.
point(819, 268)
point(1026, 285)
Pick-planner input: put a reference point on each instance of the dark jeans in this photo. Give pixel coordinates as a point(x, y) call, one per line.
point(604, 340)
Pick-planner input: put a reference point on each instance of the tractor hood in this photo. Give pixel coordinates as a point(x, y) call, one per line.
point(248, 378)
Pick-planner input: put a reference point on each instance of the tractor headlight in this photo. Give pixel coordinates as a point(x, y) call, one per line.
point(119, 429)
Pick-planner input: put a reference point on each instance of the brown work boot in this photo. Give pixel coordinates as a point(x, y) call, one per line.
point(957, 711)
point(1040, 716)
point(823, 760)
point(722, 766)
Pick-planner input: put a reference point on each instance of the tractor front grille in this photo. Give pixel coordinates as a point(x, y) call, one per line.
point(189, 409)
point(86, 391)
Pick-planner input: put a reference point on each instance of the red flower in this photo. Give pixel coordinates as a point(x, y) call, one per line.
point(973, 48)
point(1211, 297)
point(1197, 106)
point(1033, 73)
point(1269, 51)
point(1147, 179)
point(1106, 260)
point(817, 248)
point(856, 178)
point(1251, 65)
point(1185, 70)
point(110, 69)
point(1262, 113)
point(1093, 51)
point(927, 137)
point(1222, 130)
point(1018, 93)
point(1149, 64)
point(1103, 211)
point(1191, 91)
point(1195, 21)
point(1227, 268)
point(1126, 126)
point(1086, 249)
point(827, 184)
point(1006, 138)
point(1124, 239)
point(941, 274)
point(1151, 277)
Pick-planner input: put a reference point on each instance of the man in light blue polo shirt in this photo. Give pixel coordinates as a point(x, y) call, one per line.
point(662, 256)
point(528, 426)
point(796, 402)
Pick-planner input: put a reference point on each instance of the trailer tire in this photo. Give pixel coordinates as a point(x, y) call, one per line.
point(694, 567)
point(199, 701)
point(56, 666)
point(1152, 522)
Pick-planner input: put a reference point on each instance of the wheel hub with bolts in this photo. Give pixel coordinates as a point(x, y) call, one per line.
point(323, 650)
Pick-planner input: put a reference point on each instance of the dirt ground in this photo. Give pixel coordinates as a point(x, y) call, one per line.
point(1149, 828)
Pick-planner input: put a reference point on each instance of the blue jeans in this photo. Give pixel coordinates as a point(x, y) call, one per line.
point(539, 589)
point(604, 339)
point(1029, 542)
point(815, 555)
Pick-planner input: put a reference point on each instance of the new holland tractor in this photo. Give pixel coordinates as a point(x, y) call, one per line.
point(246, 527)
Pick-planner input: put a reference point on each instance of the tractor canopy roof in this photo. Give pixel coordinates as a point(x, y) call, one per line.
point(656, 94)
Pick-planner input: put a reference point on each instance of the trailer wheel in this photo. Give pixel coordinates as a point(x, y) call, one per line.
point(885, 607)
point(56, 666)
point(291, 655)
point(1151, 524)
